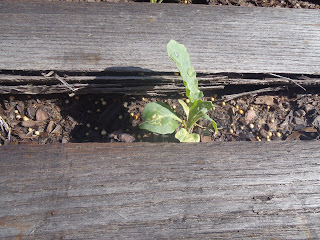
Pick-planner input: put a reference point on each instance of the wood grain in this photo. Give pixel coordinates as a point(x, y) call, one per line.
point(69, 36)
point(240, 190)
point(155, 84)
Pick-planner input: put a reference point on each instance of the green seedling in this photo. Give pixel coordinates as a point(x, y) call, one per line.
point(160, 118)
point(156, 1)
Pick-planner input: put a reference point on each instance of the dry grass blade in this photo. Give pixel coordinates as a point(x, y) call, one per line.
point(5, 127)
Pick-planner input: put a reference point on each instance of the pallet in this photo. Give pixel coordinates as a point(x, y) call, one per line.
point(121, 48)
point(240, 190)
point(236, 190)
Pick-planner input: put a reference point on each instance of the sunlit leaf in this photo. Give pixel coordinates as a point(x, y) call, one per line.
point(214, 124)
point(179, 54)
point(184, 136)
point(184, 106)
point(159, 118)
point(197, 110)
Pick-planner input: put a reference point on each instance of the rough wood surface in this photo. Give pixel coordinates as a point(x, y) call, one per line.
point(241, 190)
point(73, 36)
point(155, 84)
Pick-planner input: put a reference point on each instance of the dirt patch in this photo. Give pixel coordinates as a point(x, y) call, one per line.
point(243, 3)
point(312, 4)
point(286, 115)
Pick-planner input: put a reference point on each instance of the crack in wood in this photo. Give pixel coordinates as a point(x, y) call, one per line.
point(138, 83)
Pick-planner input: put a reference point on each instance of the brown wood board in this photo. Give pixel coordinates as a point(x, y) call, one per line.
point(155, 84)
point(69, 36)
point(239, 190)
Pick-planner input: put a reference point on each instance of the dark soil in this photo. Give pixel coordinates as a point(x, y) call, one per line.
point(276, 116)
point(314, 4)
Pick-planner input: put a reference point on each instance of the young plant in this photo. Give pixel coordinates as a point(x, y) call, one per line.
point(160, 118)
point(156, 1)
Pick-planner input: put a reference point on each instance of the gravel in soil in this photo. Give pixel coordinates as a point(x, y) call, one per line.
point(311, 4)
point(107, 118)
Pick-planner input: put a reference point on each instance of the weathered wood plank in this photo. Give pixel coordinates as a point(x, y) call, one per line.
point(93, 37)
point(155, 84)
point(235, 190)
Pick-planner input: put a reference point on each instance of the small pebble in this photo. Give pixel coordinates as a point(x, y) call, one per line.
point(278, 134)
point(251, 125)
point(241, 111)
point(120, 117)
point(299, 113)
point(263, 133)
point(76, 97)
point(41, 115)
point(223, 104)
point(98, 110)
point(104, 103)
point(212, 99)
point(87, 134)
point(16, 111)
point(96, 128)
point(67, 101)
point(187, 100)
point(88, 125)
point(18, 116)
point(103, 132)
point(37, 133)
point(25, 118)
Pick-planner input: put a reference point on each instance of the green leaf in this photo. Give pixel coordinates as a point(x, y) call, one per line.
point(198, 110)
point(184, 106)
point(183, 136)
point(179, 54)
point(159, 118)
point(214, 124)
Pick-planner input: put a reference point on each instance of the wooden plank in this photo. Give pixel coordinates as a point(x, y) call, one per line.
point(237, 190)
point(155, 84)
point(70, 36)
